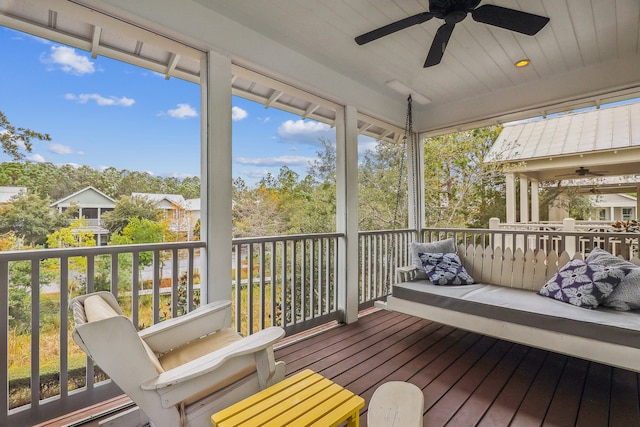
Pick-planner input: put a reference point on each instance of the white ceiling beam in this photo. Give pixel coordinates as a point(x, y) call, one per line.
point(95, 41)
point(273, 98)
point(310, 110)
point(364, 127)
point(171, 68)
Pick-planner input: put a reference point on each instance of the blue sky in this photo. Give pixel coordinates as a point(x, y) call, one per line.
point(105, 113)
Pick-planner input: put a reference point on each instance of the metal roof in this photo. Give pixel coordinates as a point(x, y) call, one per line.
point(585, 132)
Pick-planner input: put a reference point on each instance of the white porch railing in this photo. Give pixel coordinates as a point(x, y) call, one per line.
point(290, 281)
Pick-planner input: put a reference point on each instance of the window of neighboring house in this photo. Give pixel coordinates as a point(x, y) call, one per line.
point(627, 214)
point(602, 214)
point(90, 213)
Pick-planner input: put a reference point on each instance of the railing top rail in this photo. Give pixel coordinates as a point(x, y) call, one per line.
point(608, 234)
point(34, 254)
point(396, 231)
point(286, 237)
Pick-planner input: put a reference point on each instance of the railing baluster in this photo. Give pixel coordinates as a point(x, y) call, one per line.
point(35, 334)
point(135, 289)
point(263, 286)
point(64, 327)
point(4, 340)
point(175, 274)
point(157, 269)
point(250, 290)
point(238, 295)
point(273, 283)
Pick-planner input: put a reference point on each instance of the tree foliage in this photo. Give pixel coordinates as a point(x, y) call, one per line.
point(31, 218)
point(128, 208)
point(461, 189)
point(15, 139)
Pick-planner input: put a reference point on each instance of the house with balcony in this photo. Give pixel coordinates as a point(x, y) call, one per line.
point(90, 204)
point(302, 57)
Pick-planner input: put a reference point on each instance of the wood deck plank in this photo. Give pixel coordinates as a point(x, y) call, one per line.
point(624, 409)
point(507, 402)
point(482, 398)
point(539, 395)
point(563, 410)
point(441, 412)
point(467, 379)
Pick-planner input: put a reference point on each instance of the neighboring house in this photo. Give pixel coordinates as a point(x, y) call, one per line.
point(614, 207)
point(193, 206)
point(91, 204)
point(176, 210)
point(8, 193)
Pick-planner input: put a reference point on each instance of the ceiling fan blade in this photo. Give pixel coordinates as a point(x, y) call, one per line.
point(393, 27)
point(439, 45)
point(510, 19)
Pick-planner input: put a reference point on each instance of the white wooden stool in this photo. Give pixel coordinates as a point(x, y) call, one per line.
point(396, 404)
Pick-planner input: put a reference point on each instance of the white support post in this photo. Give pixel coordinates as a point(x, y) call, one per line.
point(510, 188)
point(524, 199)
point(347, 211)
point(535, 201)
point(215, 219)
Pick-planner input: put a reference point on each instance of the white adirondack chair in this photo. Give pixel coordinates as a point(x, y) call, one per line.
point(180, 371)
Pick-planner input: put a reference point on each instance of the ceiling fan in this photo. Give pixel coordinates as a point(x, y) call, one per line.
point(582, 171)
point(453, 12)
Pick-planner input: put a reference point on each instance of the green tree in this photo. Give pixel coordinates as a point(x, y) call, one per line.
point(74, 236)
point(14, 139)
point(31, 218)
point(383, 188)
point(461, 188)
point(139, 230)
point(126, 208)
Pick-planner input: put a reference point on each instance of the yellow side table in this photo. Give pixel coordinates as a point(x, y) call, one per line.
point(304, 399)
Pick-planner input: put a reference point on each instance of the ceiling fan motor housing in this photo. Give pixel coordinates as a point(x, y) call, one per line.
point(452, 11)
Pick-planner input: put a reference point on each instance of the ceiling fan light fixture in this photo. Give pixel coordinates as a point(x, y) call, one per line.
point(522, 63)
point(406, 91)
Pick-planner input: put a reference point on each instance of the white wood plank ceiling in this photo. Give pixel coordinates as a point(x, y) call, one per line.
point(588, 54)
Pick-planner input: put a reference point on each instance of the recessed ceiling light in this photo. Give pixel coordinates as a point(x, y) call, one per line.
point(406, 90)
point(522, 63)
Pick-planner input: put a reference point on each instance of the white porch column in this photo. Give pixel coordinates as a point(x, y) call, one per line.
point(524, 199)
point(347, 211)
point(510, 188)
point(415, 182)
point(535, 201)
point(215, 218)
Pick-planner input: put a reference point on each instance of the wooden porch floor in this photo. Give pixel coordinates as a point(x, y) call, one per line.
point(468, 379)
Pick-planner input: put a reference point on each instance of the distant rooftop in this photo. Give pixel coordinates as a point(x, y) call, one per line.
point(6, 193)
point(585, 132)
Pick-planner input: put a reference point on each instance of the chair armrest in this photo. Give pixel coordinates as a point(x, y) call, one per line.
point(203, 365)
point(202, 321)
point(407, 273)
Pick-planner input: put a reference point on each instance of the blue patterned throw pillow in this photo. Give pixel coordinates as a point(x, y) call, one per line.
point(583, 284)
point(445, 269)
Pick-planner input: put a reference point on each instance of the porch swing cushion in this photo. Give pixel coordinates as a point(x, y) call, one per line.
point(439, 246)
point(626, 296)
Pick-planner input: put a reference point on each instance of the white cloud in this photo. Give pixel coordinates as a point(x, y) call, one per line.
point(36, 158)
point(68, 60)
point(275, 161)
point(182, 112)
point(254, 173)
point(238, 114)
point(366, 143)
point(305, 132)
point(100, 100)
point(63, 149)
